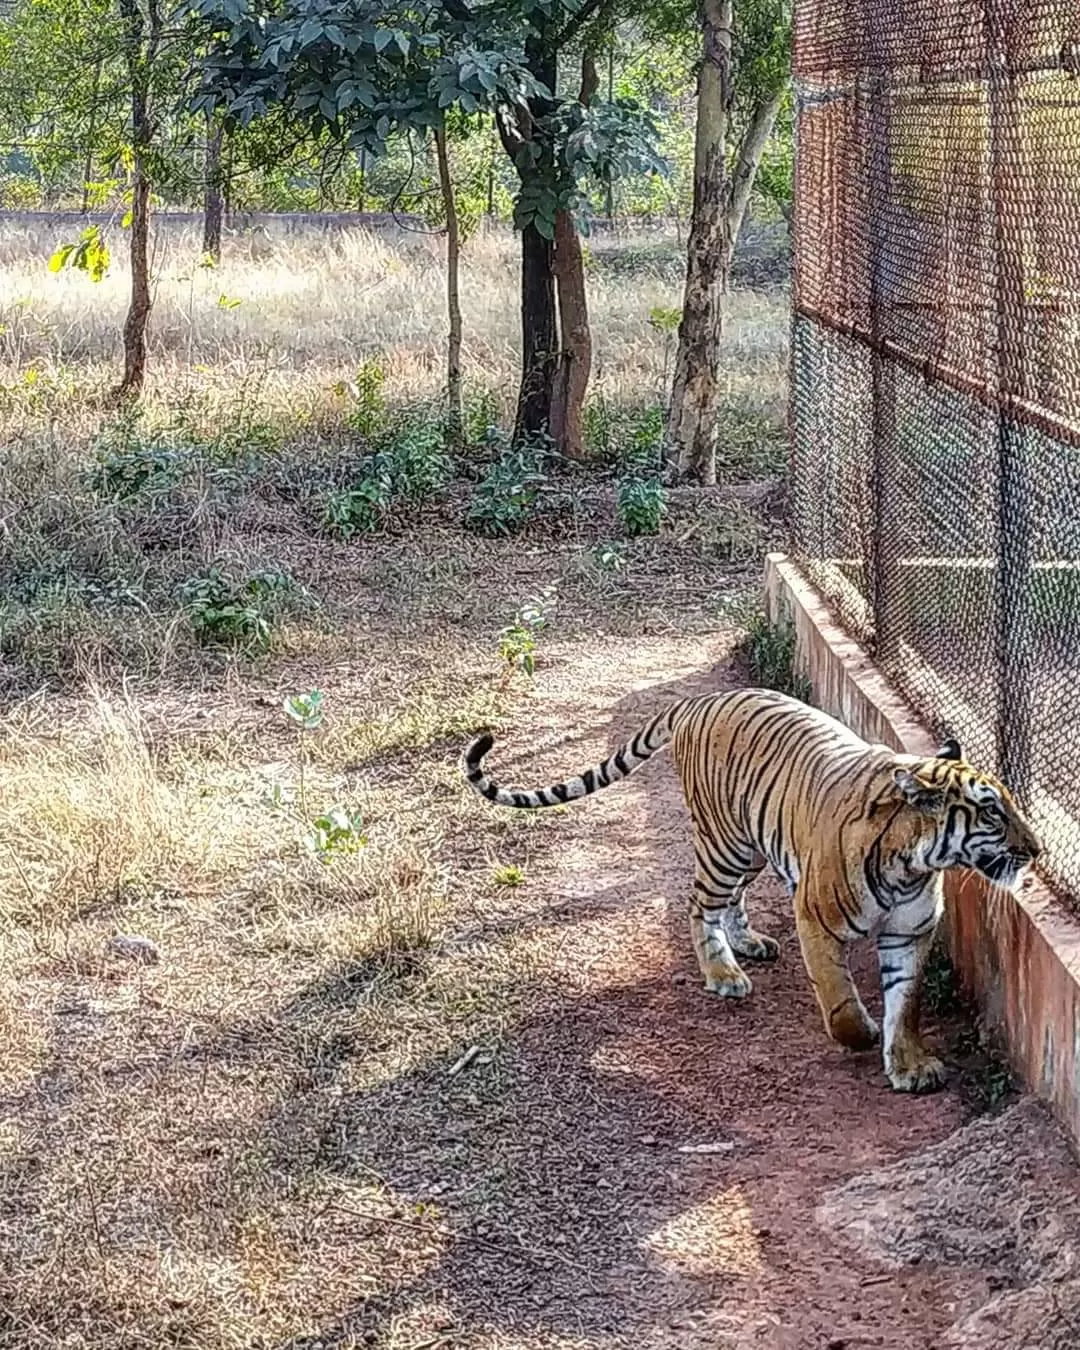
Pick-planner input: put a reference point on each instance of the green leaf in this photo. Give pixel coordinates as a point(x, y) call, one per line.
point(383, 39)
point(59, 259)
point(311, 30)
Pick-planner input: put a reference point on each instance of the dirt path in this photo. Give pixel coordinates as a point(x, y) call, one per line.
point(579, 1220)
point(469, 1128)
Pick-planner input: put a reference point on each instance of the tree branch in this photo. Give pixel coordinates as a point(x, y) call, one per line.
point(457, 9)
point(509, 133)
point(589, 10)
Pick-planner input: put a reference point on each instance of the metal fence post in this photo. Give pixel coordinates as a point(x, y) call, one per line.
point(882, 372)
point(1013, 600)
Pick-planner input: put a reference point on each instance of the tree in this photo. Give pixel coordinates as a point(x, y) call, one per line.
point(213, 190)
point(95, 85)
point(756, 84)
point(359, 71)
point(692, 418)
point(453, 296)
point(141, 43)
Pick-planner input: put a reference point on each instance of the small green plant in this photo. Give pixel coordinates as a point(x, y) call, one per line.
point(336, 833)
point(630, 438)
point(600, 423)
point(640, 451)
point(770, 653)
point(231, 611)
point(362, 509)
point(665, 321)
point(940, 988)
point(517, 641)
point(410, 464)
point(506, 497)
point(508, 874)
point(481, 416)
point(414, 457)
point(607, 557)
point(369, 402)
point(305, 711)
point(128, 461)
point(641, 504)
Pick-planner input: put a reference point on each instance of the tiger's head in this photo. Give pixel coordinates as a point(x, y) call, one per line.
point(977, 822)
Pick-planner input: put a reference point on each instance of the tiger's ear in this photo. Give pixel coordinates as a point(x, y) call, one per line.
point(950, 749)
point(927, 798)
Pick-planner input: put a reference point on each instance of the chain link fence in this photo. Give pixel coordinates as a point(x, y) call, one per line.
point(935, 400)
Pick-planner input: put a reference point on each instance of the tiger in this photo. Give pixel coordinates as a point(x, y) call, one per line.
point(860, 834)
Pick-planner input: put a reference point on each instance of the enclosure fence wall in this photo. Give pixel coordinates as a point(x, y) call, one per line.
point(935, 399)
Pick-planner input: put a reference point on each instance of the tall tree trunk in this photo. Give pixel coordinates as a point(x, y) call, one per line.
point(539, 343)
point(453, 295)
point(751, 149)
point(691, 430)
point(609, 190)
point(140, 50)
point(575, 354)
point(138, 315)
point(213, 194)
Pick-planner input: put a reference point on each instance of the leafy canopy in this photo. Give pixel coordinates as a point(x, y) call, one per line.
point(362, 71)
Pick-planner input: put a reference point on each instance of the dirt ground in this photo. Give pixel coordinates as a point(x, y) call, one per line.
point(465, 1089)
point(574, 1208)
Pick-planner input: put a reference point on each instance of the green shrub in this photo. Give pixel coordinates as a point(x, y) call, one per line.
point(770, 653)
point(235, 611)
point(362, 509)
point(506, 497)
point(410, 464)
point(641, 504)
point(413, 457)
point(369, 402)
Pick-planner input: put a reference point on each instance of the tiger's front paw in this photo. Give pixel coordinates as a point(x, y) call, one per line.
point(915, 1070)
point(728, 982)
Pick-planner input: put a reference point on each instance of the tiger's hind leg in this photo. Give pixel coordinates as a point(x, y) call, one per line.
point(719, 926)
point(744, 939)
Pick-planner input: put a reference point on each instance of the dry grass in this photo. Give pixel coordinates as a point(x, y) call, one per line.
point(313, 306)
point(190, 1150)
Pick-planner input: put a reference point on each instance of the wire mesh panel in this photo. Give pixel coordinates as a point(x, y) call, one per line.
point(935, 397)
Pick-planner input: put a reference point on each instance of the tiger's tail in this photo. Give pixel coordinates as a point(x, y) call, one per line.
point(651, 738)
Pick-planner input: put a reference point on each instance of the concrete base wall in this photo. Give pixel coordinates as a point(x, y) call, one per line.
point(1018, 955)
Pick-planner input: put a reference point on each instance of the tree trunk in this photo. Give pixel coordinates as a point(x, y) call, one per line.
point(538, 339)
point(691, 430)
point(575, 354)
point(453, 296)
point(609, 190)
point(539, 343)
point(138, 315)
point(213, 195)
point(140, 49)
point(754, 141)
